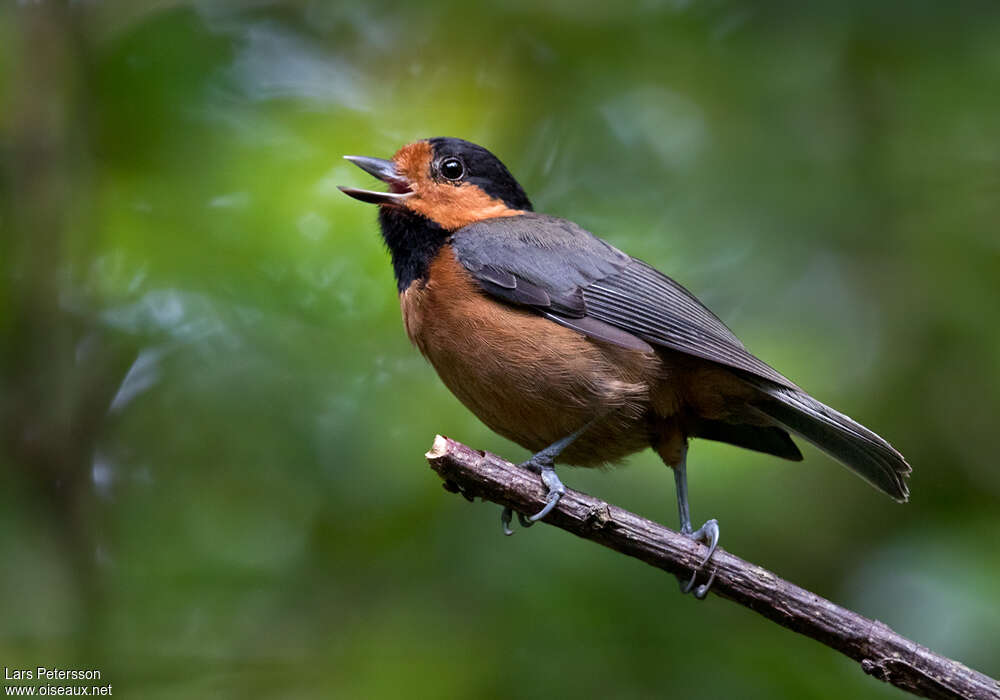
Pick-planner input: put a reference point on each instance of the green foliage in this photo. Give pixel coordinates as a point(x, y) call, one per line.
point(254, 516)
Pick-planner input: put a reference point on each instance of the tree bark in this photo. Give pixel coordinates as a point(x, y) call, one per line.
point(881, 652)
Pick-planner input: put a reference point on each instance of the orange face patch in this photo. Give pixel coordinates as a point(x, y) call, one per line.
point(451, 206)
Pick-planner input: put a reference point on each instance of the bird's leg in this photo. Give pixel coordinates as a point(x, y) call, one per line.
point(542, 463)
point(707, 534)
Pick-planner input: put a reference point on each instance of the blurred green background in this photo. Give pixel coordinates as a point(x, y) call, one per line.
point(213, 426)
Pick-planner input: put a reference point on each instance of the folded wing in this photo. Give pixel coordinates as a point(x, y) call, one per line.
point(578, 280)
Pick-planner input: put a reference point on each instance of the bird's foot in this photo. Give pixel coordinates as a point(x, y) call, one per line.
point(707, 534)
point(539, 465)
point(556, 490)
point(507, 515)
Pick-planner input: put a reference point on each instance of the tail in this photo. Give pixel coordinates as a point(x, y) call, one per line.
point(850, 443)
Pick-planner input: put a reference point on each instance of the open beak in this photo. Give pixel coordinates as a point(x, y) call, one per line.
point(384, 170)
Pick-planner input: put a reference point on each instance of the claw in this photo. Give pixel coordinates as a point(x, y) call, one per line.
point(541, 463)
point(707, 534)
point(505, 517)
point(701, 591)
point(550, 503)
point(556, 491)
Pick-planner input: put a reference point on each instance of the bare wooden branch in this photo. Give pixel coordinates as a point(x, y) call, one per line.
point(881, 652)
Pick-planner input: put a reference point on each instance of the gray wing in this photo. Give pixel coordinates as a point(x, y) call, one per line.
point(577, 280)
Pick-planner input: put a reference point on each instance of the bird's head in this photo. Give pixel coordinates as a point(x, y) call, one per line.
point(448, 181)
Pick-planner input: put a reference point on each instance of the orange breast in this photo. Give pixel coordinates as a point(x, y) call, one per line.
point(529, 379)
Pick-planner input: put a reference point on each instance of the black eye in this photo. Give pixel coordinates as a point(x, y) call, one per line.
point(452, 168)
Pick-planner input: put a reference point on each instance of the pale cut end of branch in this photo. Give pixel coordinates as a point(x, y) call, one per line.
point(881, 652)
point(438, 449)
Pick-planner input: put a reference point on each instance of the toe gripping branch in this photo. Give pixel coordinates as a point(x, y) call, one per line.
point(707, 534)
point(556, 490)
point(542, 463)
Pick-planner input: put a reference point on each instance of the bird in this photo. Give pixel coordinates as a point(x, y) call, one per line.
point(575, 350)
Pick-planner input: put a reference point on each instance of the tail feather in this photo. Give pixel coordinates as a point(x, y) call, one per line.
point(849, 442)
point(770, 440)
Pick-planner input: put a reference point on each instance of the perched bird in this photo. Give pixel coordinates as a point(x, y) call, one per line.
point(571, 348)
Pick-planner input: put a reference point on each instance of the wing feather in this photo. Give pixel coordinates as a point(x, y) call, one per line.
point(636, 301)
point(579, 281)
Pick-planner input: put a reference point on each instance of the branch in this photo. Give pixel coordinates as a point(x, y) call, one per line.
point(881, 652)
